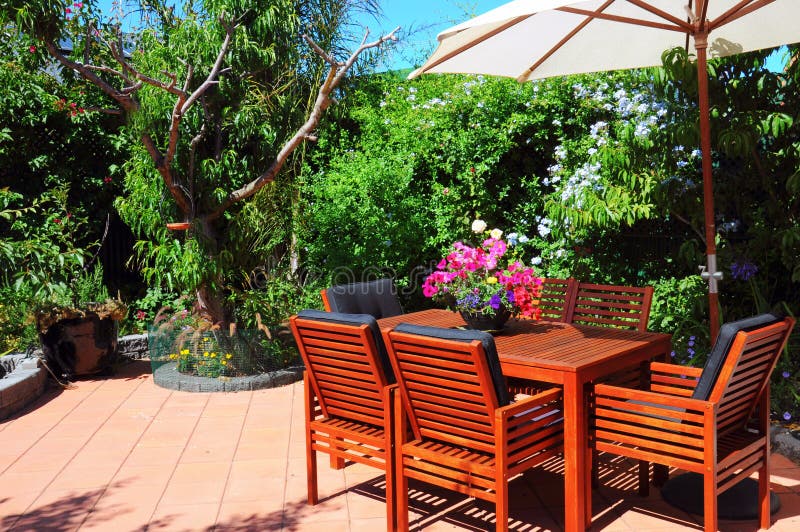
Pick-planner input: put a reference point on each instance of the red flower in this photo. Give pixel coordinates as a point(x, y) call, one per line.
point(67, 11)
point(69, 215)
point(32, 49)
point(107, 179)
point(57, 220)
point(140, 315)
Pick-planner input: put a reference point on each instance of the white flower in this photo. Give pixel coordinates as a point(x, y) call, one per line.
point(543, 230)
point(536, 261)
point(523, 239)
point(496, 234)
point(478, 226)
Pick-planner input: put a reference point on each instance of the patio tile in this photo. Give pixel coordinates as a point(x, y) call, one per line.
point(67, 508)
point(238, 516)
point(180, 517)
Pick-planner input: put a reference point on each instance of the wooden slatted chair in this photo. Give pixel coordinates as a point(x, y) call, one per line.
point(348, 400)
point(465, 435)
point(558, 298)
point(376, 298)
point(699, 420)
point(623, 307)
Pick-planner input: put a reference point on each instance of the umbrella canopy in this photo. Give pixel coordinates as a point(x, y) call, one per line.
point(535, 39)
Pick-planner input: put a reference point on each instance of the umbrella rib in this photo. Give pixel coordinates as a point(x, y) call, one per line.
point(590, 15)
point(680, 25)
point(471, 44)
point(684, 25)
point(745, 7)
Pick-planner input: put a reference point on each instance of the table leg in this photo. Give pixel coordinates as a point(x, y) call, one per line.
point(577, 485)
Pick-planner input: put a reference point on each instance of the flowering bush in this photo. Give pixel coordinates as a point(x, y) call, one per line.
point(476, 280)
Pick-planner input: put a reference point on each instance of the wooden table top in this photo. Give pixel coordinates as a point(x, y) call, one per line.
point(549, 345)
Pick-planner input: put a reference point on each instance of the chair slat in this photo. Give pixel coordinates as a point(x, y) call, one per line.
point(624, 307)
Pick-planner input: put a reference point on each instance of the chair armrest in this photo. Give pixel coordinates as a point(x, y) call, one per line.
point(657, 399)
point(537, 416)
point(673, 379)
point(528, 404)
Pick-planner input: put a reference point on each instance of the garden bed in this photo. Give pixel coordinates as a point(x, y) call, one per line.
point(22, 380)
point(215, 361)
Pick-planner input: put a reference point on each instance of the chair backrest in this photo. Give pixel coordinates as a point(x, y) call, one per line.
point(376, 298)
point(740, 365)
point(450, 382)
point(557, 299)
point(622, 307)
point(346, 363)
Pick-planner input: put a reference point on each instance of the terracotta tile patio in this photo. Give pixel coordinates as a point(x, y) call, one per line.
point(122, 454)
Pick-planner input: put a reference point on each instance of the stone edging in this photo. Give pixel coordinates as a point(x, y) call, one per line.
point(24, 381)
point(168, 376)
point(784, 443)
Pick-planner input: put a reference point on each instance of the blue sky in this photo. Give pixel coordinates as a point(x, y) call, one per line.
point(422, 20)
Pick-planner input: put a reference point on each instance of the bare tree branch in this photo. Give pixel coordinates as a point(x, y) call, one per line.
point(337, 71)
point(125, 100)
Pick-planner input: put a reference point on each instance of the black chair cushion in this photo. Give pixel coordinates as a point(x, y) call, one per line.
point(459, 335)
point(356, 319)
point(716, 358)
point(377, 298)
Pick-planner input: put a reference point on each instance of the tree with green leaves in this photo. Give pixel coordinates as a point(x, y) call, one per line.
point(218, 96)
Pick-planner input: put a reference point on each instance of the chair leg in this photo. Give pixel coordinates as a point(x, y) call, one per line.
point(337, 462)
point(311, 471)
point(501, 505)
point(311, 454)
point(763, 496)
point(710, 523)
point(644, 478)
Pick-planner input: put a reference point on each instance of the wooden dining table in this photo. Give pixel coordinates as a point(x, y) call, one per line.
point(571, 356)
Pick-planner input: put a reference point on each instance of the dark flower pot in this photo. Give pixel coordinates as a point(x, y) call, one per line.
point(80, 346)
point(486, 322)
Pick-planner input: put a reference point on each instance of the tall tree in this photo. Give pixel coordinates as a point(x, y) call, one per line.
point(219, 95)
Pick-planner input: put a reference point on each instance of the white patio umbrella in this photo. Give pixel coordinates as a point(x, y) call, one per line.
point(535, 39)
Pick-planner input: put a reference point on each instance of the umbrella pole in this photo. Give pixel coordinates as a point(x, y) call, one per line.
point(710, 272)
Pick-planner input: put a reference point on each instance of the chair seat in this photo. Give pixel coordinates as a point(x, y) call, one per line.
point(343, 428)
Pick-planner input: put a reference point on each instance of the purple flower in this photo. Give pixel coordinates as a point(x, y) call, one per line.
point(743, 270)
point(691, 352)
point(510, 296)
point(787, 416)
point(495, 301)
point(786, 374)
point(672, 354)
point(691, 343)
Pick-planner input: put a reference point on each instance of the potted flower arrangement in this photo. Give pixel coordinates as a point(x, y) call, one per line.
point(487, 284)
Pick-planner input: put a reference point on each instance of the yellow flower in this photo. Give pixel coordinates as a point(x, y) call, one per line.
point(184, 351)
point(213, 355)
point(205, 354)
point(491, 280)
point(224, 362)
point(228, 356)
point(173, 356)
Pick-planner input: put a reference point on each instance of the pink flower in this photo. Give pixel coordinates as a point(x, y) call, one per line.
point(140, 315)
point(32, 49)
point(67, 11)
